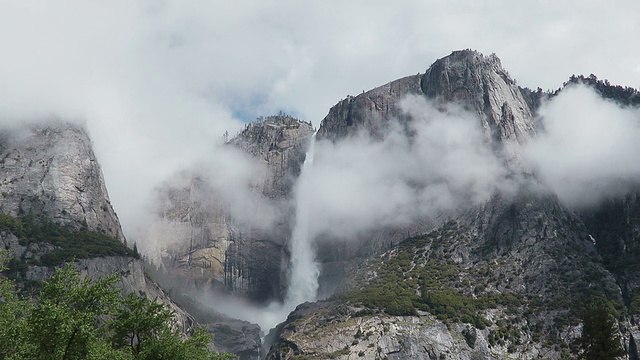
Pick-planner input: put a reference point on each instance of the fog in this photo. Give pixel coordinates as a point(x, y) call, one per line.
point(438, 161)
point(589, 147)
point(157, 83)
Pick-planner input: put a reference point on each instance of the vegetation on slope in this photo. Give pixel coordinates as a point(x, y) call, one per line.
point(411, 278)
point(74, 318)
point(68, 243)
point(422, 275)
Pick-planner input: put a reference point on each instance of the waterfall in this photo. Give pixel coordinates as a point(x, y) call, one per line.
point(304, 270)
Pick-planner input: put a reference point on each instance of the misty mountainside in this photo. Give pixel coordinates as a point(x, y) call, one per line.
point(51, 171)
point(55, 208)
point(504, 265)
point(215, 238)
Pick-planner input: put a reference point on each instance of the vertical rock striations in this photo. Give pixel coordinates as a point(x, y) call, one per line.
point(482, 86)
point(477, 82)
point(51, 171)
point(208, 245)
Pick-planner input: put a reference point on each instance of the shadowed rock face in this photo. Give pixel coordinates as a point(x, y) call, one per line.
point(213, 249)
point(51, 171)
point(368, 111)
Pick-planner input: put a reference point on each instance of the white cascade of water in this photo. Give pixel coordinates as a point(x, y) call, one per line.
point(304, 270)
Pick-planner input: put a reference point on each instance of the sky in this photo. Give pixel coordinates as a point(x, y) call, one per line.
point(157, 83)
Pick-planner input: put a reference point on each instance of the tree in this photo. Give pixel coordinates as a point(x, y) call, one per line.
point(600, 339)
point(143, 326)
point(13, 326)
point(81, 318)
point(63, 322)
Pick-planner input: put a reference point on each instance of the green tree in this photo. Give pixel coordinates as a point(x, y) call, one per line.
point(143, 326)
point(600, 339)
point(63, 322)
point(79, 318)
point(13, 309)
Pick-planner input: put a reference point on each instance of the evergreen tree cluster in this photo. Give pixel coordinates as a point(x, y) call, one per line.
point(626, 95)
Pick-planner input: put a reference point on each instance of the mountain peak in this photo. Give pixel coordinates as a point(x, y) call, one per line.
point(481, 85)
point(465, 77)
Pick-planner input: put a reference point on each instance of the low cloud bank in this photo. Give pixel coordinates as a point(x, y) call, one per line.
point(589, 148)
point(438, 161)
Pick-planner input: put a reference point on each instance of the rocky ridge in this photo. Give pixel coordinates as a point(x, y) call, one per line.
point(51, 170)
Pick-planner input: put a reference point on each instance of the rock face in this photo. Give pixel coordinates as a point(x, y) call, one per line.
point(481, 85)
point(368, 111)
point(506, 279)
point(51, 170)
point(281, 143)
point(477, 82)
point(212, 248)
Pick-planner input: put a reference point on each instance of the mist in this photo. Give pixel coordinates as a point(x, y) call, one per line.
point(438, 161)
point(228, 181)
point(588, 148)
point(156, 83)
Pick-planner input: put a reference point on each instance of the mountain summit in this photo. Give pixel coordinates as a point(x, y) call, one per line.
point(466, 77)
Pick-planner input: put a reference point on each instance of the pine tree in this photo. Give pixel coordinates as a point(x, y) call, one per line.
point(600, 339)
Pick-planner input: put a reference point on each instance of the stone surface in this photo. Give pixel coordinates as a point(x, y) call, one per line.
point(481, 85)
point(51, 170)
point(209, 247)
point(476, 82)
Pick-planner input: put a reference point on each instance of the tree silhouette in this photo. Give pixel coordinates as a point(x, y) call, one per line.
point(600, 339)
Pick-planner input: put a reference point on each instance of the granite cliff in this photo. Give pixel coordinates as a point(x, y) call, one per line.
point(50, 174)
point(209, 247)
point(51, 170)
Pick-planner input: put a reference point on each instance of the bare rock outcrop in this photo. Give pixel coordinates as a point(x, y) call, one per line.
point(521, 261)
point(466, 77)
point(209, 247)
point(50, 170)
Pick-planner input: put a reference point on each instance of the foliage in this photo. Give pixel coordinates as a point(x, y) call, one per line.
point(13, 312)
point(623, 95)
point(80, 318)
point(11, 224)
point(412, 278)
point(600, 339)
point(70, 243)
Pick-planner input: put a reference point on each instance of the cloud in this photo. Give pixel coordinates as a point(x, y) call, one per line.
point(158, 82)
point(226, 184)
point(588, 150)
point(439, 161)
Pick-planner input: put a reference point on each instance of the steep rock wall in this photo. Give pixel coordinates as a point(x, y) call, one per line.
point(51, 170)
point(209, 247)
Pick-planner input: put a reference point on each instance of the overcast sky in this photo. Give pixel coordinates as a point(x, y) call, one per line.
point(158, 82)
